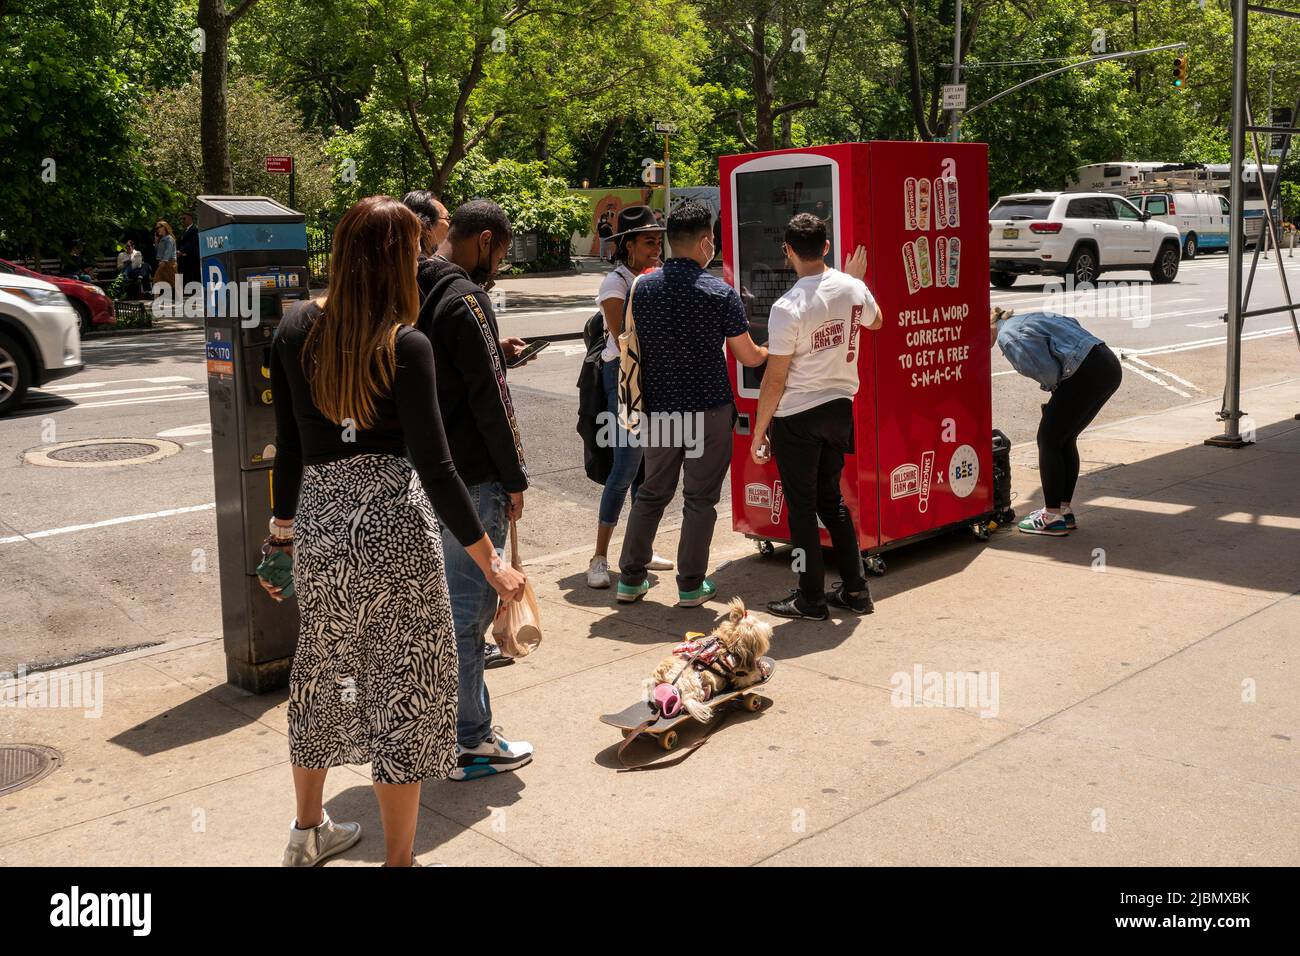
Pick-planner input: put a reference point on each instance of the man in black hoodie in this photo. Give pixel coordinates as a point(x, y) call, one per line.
point(479, 419)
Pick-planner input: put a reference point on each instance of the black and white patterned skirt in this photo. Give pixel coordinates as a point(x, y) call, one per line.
point(374, 675)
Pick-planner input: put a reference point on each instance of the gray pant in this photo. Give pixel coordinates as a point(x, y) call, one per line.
point(701, 488)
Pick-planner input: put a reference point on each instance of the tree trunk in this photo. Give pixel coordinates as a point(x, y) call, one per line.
point(596, 163)
point(215, 24)
point(763, 119)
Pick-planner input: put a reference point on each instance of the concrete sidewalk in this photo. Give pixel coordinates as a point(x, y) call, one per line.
point(1145, 713)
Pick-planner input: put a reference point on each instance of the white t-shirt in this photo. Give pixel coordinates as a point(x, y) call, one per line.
point(615, 285)
point(818, 322)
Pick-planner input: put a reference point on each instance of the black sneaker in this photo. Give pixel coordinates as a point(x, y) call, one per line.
point(794, 607)
point(859, 603)
point(492, 656)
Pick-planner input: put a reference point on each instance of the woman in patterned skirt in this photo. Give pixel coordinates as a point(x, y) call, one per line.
point(361, 467)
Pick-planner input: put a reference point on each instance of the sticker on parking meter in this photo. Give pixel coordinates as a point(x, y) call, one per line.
point(221, 358)
point(963, 471)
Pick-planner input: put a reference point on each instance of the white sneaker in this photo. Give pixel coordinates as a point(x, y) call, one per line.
point(598, 572)
point(658, 562)
point(494, 755)
point(315, 845)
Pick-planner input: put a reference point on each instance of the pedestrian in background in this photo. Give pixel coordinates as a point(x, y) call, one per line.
point(363, 483)
point(1082, 373)
point(683, 316)
point(164, 252)
point(187, 251)
point(807, 398)
point(637, 246)
point(434, 219)
point(604, 230)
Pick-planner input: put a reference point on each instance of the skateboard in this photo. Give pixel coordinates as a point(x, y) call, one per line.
point(664, 729)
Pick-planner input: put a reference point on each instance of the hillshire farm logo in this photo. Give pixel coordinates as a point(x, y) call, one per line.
point(828, 335)
point(904, 480)
point(134, 910)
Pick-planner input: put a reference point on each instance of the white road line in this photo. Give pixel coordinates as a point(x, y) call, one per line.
point(161, 380)
point(1202, 343)
point(1155, 378)
point(125, 391)
point(51, 532)
point(1165, 372)
point(185, 431)
point(138, 401)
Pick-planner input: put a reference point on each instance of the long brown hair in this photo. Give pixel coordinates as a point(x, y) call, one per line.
point(352, 344)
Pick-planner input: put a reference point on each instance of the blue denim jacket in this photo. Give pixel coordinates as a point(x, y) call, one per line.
point(1047, 347)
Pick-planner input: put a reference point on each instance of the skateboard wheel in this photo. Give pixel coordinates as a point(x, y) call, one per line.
point(751, 702)
point(668, 740)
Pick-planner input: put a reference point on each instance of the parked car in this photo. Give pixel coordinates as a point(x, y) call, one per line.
point(1201, 218)
point(93, 306)
point(40, 337)
point(1077, 234)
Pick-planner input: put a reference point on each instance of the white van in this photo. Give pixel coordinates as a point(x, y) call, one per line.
point(1201, 218)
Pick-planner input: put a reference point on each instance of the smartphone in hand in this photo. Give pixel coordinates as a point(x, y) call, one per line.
point(527, 354)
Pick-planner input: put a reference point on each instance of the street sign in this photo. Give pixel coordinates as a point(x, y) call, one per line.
point(279, 164)
point(954, 96)
point(665, 129)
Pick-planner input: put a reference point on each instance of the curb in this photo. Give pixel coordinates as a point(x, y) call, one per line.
point(137, 330)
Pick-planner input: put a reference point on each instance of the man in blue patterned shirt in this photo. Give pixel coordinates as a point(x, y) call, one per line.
point(683, 315)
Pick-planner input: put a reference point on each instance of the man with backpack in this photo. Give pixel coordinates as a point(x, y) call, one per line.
point(483, 434)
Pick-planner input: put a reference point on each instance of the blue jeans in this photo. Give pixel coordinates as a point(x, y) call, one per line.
point(627, 460)
point(473, 605)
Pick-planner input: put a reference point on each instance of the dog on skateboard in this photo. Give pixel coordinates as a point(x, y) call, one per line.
point(726, 660)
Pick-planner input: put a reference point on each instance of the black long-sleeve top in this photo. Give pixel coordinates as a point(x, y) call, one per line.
point(407, 422)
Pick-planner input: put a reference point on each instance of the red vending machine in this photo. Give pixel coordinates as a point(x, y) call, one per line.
point(923, 459)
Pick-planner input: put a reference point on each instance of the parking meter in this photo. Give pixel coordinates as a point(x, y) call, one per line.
point(253, 263)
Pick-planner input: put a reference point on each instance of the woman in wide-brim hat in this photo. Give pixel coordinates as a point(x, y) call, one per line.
point(637, 246)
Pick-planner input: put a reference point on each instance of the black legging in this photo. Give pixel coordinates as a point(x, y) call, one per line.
point(1070, 410)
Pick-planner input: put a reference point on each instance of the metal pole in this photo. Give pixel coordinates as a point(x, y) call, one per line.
point(955, 122)
point(1231, 414)
point(668, 194)
point(293, 172)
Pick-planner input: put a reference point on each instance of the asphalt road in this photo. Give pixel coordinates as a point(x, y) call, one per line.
point(97, 559)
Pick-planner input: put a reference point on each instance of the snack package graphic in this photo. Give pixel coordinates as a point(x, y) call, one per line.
point(923, 205)
point(909, 267)
point(954, 262)
point(941, 259)
point(954, 216)
point(923, 260)
point(909, 204)
point(940, 204)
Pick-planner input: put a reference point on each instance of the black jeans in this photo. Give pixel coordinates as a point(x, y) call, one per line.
point(1070, 410)
point(810, 449)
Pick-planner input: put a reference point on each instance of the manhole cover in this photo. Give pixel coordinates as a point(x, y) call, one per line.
point(22, 765)
point(102, 452)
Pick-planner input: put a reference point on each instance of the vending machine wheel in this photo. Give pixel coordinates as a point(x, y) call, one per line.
point(765, 548)
point(874, 564)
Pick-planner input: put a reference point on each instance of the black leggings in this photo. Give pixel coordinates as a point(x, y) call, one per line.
point(1070, 410)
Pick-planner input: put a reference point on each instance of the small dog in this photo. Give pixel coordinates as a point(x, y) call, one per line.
point(734, 649)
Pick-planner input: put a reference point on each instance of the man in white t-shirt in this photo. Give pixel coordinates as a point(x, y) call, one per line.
point(807, 399)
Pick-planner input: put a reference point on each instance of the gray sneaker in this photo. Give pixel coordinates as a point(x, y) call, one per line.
point(313, 846)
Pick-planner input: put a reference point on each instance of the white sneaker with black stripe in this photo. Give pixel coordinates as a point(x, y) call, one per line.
point(493, 755)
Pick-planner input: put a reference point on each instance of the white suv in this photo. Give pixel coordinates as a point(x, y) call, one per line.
point(40, 337)
point(1077, 234)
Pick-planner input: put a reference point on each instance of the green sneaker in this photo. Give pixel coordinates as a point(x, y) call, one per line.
point(627, 593)
point(697, 597)
point(1037, 523)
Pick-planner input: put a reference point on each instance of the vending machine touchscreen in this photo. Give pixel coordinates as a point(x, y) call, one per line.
point(766, 198)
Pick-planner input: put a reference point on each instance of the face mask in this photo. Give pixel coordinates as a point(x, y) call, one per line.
point(481, 273)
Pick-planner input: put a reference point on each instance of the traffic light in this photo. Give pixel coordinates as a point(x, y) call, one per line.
point(1180, 69)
